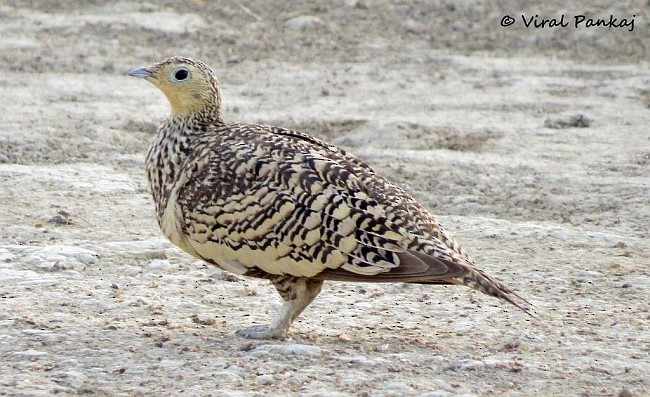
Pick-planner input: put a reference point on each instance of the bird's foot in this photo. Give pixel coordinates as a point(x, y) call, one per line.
point(261, 332)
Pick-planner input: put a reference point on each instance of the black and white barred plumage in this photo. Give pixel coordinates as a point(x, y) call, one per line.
point(273, 203)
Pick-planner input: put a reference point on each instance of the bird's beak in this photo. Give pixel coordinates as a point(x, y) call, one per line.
point(140, 72)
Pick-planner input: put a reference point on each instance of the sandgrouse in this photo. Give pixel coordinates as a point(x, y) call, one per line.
point(278, 204)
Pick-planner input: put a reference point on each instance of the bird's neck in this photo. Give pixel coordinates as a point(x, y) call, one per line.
point(169, 149)
point(193, 108)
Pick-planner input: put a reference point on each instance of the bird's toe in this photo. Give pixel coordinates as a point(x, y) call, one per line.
point(261, 332)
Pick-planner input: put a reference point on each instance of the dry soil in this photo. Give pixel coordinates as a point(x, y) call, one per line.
point(532, 146)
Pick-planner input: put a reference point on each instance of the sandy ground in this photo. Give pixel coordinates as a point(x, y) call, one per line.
point(532, 146)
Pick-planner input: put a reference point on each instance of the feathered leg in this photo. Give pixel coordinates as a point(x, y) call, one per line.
point(298, 293)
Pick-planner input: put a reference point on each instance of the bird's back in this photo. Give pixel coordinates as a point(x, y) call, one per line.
point(283, 202)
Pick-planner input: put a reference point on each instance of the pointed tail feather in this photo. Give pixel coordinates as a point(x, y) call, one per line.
point(482, 282)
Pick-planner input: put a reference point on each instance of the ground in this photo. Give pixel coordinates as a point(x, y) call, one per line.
point(531, 145)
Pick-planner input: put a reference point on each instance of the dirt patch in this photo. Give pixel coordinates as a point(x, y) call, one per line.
point(435, 95)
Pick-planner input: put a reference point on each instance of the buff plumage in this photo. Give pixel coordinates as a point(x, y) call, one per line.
point(273, 203)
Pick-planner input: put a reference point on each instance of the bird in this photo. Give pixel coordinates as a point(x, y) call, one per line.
point(278, 204)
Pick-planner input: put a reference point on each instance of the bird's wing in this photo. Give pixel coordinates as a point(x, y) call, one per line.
point(284, 203)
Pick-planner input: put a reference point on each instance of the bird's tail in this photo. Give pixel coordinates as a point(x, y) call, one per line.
point(480, 281)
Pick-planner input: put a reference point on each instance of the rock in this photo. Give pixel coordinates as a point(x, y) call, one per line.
point(473, 365)
point(295, 381)
point(5, 255)
point(436, 393)
point(159, 265)
point(398, 389)
point(30, 353)
point(625, 393)
point(559, 234)
point(71, 379)
point(413, 26)
point(588, 274)
point(292, 349)
point(153, 248)
point(296, 350)
point(578, 120)
point(59, 257)
point(303, 22)
point(170, 365)
point(47, 338)
point(265, 379)
point(363, 361)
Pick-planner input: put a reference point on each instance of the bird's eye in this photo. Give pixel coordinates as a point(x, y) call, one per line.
point(181, 74)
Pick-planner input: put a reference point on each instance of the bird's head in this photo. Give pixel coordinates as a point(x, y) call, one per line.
point(190, 86)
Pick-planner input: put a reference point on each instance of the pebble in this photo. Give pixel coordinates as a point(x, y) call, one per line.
point(302, 22)
point(296, 350)
point(46, 338)
point(363, 361)
point(67, 256)
point(265, 379)
point(5, 255)
point(472, 365)
point(568, 121)
point(30, 353)
point(92, 352)
point(292, 349)
point(159, 265)
point(153, 248)
point(588, 274)
point(170, 365)
point(72, 379)
point(233, 394)
point(398, 389)
point(412, 26)
point(559, 234)
point(295, 381)
point(436, 393)
point(625, 393)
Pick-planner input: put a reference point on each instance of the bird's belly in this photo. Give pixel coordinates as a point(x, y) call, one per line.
point(172, 227)
point(245, 258)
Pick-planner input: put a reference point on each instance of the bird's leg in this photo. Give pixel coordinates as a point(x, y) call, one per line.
point(298, 293)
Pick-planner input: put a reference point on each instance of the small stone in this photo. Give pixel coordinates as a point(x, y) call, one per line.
point(625, 393)
point(362, 361)
point(397, 388)
point(159, 265)
point(251, 289)
point(589, 274)
point(576, 339)
point(303, 22)
point(226, 376)
point(298, 350)
point(436, 393)
point(30, 353)
point(170, 365)
point(412, 26)
point(59, 220)
point(573, 121)
point(265, 379)
point(295, 381)
point(71, 379)
point(202, 321)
